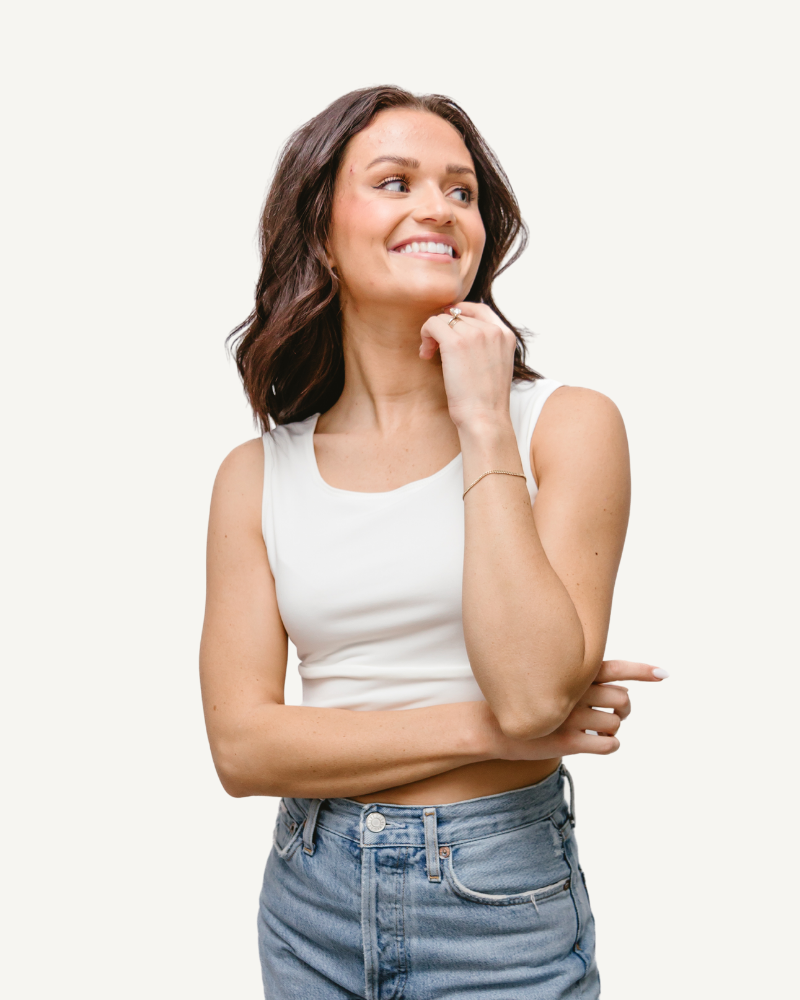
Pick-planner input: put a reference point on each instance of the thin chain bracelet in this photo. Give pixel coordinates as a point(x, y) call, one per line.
point(492, 472)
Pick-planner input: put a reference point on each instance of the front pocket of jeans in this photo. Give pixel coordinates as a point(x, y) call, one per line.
point(535, 896)
point(518, 866)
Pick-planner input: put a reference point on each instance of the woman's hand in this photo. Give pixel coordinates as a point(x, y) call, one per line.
point(587, 729)
point(477, 355)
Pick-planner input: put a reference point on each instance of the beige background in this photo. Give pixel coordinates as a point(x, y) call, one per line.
point(654, 150)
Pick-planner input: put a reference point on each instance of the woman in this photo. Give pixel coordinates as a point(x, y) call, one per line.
point(450, 645)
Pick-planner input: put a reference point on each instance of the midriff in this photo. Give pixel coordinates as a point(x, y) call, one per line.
point(472, 781)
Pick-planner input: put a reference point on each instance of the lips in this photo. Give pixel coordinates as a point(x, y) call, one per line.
point(427, 243)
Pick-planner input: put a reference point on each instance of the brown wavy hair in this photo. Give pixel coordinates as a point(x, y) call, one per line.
point(289, 349)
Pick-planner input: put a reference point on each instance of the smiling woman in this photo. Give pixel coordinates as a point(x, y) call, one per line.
point(450, 632)
point(289, 350)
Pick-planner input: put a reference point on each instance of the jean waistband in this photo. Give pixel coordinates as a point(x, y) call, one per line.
point(378, 824)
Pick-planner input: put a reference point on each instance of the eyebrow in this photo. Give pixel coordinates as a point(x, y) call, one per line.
point(412, 164)
point(401, 161)
point(455, 168)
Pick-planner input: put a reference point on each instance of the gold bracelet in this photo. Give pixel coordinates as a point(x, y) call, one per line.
point(492, 472)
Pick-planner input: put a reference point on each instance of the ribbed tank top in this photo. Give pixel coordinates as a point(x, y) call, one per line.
point(369, 584)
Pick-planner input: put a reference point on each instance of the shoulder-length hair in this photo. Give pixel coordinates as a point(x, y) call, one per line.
point(289, 349)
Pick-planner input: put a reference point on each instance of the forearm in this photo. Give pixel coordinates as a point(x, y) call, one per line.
point(323, 753)
point(523, 635)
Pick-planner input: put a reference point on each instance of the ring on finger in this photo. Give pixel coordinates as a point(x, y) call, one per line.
point(456, 314)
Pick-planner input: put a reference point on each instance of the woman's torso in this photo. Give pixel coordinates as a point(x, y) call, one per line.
point(369, 589)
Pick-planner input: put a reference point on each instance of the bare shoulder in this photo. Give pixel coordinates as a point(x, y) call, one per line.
point(580, 428)
point(244, 463)
point(572, 408)
point(238, 487)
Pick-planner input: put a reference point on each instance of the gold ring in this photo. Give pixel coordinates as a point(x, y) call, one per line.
point(456, 314)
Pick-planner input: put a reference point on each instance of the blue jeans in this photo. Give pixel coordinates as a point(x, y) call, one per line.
point(482, 899)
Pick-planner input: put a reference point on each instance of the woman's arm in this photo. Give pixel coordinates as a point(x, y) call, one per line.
point(538, 581)
point(262, 747)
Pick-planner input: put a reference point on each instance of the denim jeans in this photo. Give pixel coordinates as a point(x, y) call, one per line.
point(483, 898)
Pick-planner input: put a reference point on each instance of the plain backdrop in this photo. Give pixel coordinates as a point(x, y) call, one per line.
point(654, 150)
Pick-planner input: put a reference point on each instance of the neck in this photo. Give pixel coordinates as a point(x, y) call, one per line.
point(387, 385)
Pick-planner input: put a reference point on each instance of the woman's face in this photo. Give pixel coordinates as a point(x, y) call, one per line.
point(405, 227)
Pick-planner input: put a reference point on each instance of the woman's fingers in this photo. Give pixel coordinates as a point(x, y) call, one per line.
point(436, 332)
point(602, 694)
point(565, 741)
point(629, 670)
point(584, 718)
point(571, 737)
point(475, 319)
point(608, 696)
point(589, 729)
point(578, 742)
point(480, 311)
point(432, 334)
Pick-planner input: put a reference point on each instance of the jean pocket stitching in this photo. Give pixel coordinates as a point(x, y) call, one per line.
point(534, 896)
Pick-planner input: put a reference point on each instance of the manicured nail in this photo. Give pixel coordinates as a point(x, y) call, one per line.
point(659, 673)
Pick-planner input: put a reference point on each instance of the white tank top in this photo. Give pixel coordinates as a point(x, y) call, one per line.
point(369, 584)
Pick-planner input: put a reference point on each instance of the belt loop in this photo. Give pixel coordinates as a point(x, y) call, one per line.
point(311, 825)
point(568, 776)
point(431, 845)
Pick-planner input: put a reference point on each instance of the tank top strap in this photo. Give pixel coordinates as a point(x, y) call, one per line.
point(267, 519)
point(525, 404)
point(286, 471)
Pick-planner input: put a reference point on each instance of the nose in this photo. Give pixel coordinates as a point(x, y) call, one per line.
point(433, 207)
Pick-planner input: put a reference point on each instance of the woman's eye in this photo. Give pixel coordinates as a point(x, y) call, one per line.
point(396, 184)
point(463, 194)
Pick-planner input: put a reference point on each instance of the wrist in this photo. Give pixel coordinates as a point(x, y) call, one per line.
point(483, 734)
point(484, 427)
point(488, 444)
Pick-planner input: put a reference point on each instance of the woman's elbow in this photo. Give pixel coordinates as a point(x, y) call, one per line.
point(231, 776)
point(234, 785)
point(520, 722)
point(237, 776)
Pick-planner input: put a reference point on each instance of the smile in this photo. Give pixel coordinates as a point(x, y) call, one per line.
point(443, 248)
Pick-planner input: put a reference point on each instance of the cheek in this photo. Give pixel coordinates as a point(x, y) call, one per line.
point(477, 243)
point(359, 229)
point(478, 237)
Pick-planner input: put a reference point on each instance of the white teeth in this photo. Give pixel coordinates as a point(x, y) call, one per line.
point(427, 246)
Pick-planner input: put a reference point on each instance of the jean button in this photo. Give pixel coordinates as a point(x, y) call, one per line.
point(376, 822)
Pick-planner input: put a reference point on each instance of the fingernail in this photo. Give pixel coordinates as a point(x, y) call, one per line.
point(659, 673)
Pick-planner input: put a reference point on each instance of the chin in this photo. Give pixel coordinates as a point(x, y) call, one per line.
point(431, 296)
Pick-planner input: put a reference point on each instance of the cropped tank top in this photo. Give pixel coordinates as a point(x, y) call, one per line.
point(369, 584)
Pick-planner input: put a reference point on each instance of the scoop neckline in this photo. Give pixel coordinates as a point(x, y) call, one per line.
point(398, 490)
